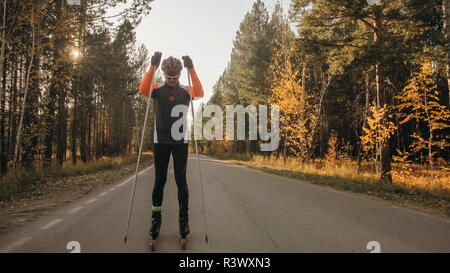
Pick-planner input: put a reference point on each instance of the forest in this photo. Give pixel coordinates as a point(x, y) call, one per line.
point(69, 81)
point(360, 84)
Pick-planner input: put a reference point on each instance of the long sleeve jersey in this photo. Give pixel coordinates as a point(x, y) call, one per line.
point(164, 99)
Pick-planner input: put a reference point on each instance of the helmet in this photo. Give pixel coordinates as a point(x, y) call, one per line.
point(171, 66)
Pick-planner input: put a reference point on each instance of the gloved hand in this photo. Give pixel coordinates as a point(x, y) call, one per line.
point(156, 58)
point(187, 62)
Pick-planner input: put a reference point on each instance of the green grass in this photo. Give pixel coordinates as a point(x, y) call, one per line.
point(26, 179)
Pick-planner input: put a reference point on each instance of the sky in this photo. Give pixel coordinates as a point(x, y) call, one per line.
point(202, 29)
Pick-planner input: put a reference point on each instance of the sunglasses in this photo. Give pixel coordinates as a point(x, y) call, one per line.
point(172, 77)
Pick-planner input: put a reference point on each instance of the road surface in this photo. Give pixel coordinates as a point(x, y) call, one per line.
point(246, 211)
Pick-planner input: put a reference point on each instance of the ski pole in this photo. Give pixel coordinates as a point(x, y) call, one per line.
point(198, 160)
point(139, 156)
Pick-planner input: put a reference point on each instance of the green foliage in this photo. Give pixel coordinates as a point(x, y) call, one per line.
point(251, 57)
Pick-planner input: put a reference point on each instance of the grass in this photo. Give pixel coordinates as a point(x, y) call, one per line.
point(411, 183)
point(26, 179)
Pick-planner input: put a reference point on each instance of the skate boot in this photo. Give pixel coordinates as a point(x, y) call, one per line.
point(184, 230)
point(154, 230)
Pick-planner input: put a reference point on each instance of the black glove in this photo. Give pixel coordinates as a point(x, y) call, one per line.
point(156, 58)
point(187, 62)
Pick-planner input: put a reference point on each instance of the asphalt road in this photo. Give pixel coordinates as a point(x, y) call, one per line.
point(246, 211)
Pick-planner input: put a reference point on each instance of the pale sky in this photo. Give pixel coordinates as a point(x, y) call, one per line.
point(202, 29)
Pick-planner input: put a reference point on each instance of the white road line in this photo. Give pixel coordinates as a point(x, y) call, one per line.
point(144, 171)
point(91, 201)
point(103, 193)
point(131, 178)
point(123, 183)
point(12, 246)
point(52, 223)
point(75, 210)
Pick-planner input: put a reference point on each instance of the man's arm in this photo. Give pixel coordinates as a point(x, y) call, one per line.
point(144, 88)
point(197, 89)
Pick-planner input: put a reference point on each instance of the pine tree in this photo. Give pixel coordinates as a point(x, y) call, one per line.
point(42, 84)
point(251, 57)
point(446, 30)
point(357, 31)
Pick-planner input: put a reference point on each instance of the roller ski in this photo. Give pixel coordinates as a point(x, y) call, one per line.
point(154, 230)
point(183, 243)
point(184, 231)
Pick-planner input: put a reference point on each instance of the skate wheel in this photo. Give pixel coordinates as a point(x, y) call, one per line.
point(183, 243)
point(153, 245)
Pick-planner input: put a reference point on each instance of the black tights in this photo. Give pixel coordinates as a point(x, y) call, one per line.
point(161, 157)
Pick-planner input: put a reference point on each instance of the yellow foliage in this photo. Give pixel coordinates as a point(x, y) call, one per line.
point(331, 156)
point(379, 130)
point(288, 93)
point(419, 102)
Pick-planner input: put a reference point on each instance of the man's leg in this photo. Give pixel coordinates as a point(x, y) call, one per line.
point(161, 154)
point(180, 156)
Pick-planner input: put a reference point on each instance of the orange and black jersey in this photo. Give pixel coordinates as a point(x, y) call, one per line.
point(164, 99)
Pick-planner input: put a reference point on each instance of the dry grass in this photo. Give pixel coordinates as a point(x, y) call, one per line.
point(39, 199)
point(412, 183)
point(414, 176)
point(408, 176)
point(28, 179)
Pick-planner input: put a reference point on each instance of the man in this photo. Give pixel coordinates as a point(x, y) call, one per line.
point(166, 96)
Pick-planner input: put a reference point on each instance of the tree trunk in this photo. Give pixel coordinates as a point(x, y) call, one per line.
point(74, 121)
point(89, 138)
point(430, 138)
point(62, 126)
point(385, 153)
point(99, 130)
point(3, 159)
point(325, 83)
point(365, 114)
point(11, 114)
point(78, 105)
point(3, 48)
point(49, 124)
point(83, 128)
point(19, 130)
point(446, 29)
point(55, 86)
point(3, 152)
point(13, 107)
point(61, 132)
point(30, 127)
point(95, 129)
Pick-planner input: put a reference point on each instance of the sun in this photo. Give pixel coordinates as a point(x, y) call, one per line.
point(75, 53)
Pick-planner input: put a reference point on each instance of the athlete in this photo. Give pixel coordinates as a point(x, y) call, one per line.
point(165, 96)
